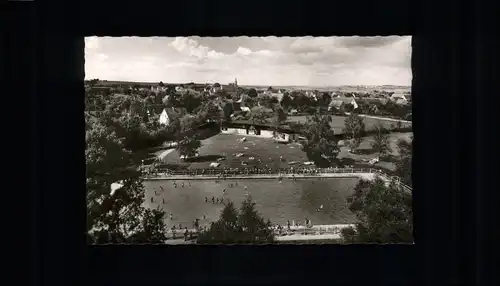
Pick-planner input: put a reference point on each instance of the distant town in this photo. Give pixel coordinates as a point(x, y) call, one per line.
point(386, 100)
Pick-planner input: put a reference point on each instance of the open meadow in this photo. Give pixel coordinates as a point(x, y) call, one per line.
point(337, 122)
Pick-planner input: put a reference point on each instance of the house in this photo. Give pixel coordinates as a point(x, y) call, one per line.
point(334, 94)
point(339, 103)
point(399, 98)
point(377, 101)
point(169, 114)
point(336, 105)
point(277, 95)
point(282, 134)
point(164, 118)
point(157, 88)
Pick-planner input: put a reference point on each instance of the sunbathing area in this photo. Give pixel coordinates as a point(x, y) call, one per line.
point(236, 151)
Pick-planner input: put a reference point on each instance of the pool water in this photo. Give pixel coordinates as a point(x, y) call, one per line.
point(279, 202)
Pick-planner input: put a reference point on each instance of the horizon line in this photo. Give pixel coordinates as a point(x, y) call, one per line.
point(251, 85)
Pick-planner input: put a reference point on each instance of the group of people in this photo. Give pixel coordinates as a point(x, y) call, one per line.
point(215, 200)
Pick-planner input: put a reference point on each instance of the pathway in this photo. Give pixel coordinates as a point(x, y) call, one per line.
point(296, 233)
point(165, 153)
point(382, 118)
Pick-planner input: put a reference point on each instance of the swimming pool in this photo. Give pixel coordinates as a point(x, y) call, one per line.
point(279, 202)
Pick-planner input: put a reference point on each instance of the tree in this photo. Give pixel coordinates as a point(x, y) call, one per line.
point(259, 115)
point(93, 82)
point(247, 101)
point(190, 101)
point(286, 101)
point(324, 99)
point(399, 125)
point(380, 141)
point(228, 109)
point(252, 93)
point(116, 217)
point(265, 101)
point(209, 111)
point(321, 146)
point(280, 114)
point(188, 146)
point(384, 213)
point(243, 226)
point(404, 163)
point(354, 130)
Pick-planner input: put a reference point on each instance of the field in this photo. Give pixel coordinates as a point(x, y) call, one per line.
point(279, 202)
point(266, 150)
point(366, 152)
point(337, 122)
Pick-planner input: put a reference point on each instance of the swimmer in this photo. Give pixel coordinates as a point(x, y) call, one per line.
point(224, 191)
point(161, 188)
point(171, 216)
point(245, 187)
point(152, 199)
point(163, 201)
point(206, 199)
point(189, 184)
point(204, 216)
point(213, 200)
point(236, 183)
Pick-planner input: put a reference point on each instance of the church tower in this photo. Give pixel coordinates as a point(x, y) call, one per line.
point(235, 82)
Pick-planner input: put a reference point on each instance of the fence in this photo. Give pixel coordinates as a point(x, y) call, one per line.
point(278, 231)
point(255, 173)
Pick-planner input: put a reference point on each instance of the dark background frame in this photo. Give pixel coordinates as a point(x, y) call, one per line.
point(450, 95)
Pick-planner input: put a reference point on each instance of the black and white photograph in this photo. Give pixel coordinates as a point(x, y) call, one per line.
point(248, 140)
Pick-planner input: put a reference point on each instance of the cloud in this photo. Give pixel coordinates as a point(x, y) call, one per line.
point(244, 51)
point(253, 60)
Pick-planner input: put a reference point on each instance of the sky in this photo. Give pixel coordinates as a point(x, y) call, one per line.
point(266, 61)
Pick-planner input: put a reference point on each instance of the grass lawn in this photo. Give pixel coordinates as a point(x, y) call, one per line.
point(365, 152)
point(337, 122)
point(228, 145)
point(279, 202)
